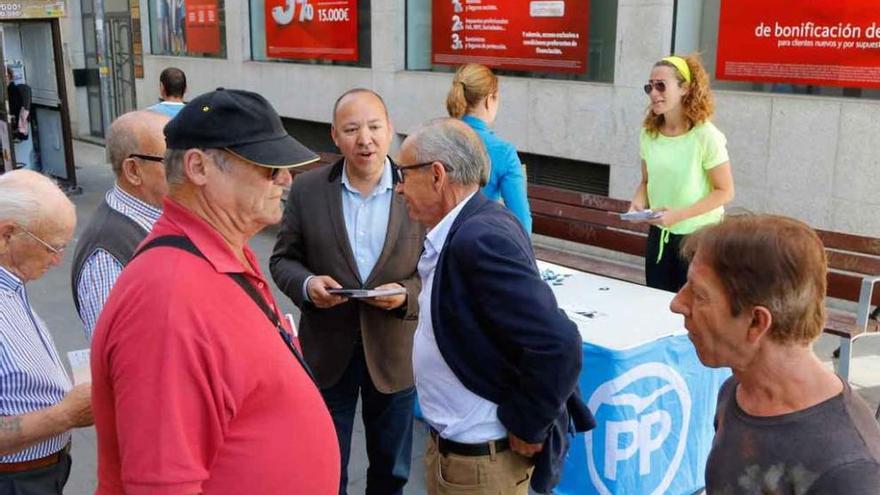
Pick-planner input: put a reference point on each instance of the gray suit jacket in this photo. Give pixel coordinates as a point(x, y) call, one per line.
point(313, 241)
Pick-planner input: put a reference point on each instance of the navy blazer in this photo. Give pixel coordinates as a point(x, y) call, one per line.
point(501, 332)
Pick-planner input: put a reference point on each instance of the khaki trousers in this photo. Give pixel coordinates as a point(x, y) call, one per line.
point(502, 473)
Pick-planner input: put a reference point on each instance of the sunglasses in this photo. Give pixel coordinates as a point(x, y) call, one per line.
point(149, 158)
point(660, 86)
point(274, 173)
point(401, 177)
point(52, 249)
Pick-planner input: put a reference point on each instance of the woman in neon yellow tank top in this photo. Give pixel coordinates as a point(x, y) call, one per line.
point(685, 167)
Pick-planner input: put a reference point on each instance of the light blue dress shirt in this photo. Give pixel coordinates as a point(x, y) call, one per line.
point(507, 180)
point(366, 222)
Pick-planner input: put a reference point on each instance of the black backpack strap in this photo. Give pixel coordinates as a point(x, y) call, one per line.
point(181, 242)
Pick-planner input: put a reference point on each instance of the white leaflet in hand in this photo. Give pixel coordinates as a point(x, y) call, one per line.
point(634, 216)
point(79, 364)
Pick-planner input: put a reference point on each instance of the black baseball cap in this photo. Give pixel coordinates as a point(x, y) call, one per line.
point(241, 122)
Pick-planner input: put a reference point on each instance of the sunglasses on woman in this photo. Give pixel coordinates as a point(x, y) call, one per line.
point(660, 86)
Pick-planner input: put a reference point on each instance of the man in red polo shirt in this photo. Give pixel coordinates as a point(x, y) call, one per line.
point(197, 384)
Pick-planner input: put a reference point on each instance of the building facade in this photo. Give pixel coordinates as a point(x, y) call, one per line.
point(805, 151)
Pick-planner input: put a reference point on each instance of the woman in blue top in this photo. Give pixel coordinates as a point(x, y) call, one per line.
point(474, 98)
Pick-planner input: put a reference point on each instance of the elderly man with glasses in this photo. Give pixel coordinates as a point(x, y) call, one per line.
point(496, 362)
point(38, 405)
point(199, 386)
point(136, 148)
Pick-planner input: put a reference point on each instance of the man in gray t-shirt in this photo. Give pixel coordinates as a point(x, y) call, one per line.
point(829, 448)
point(785, 424)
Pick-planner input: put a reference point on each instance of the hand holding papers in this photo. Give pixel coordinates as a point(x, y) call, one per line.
point(640, 216)
point(364, 293)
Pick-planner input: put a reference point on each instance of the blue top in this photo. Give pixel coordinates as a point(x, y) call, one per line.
point(169, 108)
point(507, 180)
point(32, 376)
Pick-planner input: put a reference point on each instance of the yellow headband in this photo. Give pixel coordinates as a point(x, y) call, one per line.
point(682, 66)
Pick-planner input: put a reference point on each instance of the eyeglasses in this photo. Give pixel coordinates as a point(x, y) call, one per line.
point(660, 86)
point(149, 158)
point(401, 177)
point(52, 249)
point(274, 173)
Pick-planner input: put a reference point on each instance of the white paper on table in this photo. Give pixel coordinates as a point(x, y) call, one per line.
point(79, 364)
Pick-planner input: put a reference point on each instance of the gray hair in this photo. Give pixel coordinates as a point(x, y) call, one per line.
point(16, 204)
point(454, 144)
point(26, 197)
point(174, 163)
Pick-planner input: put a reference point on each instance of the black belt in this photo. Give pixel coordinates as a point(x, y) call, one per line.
point(445, 446)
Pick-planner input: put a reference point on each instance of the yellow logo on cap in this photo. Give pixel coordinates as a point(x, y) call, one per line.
point(206, 108)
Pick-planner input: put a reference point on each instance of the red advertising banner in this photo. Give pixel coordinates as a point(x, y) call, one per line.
point(828, 43)
point(312, 29)
point(533, 35)
point(202, 27)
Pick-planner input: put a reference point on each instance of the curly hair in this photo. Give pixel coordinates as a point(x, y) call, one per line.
point(698, 103)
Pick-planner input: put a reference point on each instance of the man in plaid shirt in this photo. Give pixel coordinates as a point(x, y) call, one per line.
point(136, 148)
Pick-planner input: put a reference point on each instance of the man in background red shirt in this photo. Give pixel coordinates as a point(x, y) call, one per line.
point(198, 386)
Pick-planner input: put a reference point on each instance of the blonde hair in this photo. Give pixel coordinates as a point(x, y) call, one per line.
point(698, 104)
point(471, 84)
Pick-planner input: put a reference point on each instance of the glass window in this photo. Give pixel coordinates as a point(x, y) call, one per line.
point(696, 30)
point(192, 28)
point(601, 33)
point(328, 32)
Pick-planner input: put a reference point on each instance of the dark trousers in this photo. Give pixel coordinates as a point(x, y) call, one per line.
point(49, 480)
point(388, 425)
point(670, 273)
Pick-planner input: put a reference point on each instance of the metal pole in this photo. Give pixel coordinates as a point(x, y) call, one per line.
point(103, 67)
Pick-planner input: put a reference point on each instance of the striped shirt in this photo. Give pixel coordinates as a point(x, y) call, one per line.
point(32, 376)
point(101, 269)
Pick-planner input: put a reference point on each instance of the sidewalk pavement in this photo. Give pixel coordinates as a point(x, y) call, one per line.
point(52, 298)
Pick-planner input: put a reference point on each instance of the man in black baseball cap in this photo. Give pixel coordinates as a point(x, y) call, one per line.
point(240, 122)
point(192, 332)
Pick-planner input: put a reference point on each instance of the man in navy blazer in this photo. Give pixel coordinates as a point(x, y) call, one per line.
point(496, 362)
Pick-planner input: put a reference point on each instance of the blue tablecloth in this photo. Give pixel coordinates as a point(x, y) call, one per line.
point(655, 407)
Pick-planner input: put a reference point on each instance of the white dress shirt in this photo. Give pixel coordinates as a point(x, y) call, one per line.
point(448, 406)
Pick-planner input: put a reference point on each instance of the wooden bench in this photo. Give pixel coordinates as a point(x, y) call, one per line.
point(587, 219)
point(853, 271)
point(853, 260)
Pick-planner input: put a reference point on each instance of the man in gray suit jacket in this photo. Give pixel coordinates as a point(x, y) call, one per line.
point(345, 228)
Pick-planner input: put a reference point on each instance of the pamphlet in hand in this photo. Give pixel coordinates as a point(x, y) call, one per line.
point(364, 293)
point(79, 364)
point(637, 216)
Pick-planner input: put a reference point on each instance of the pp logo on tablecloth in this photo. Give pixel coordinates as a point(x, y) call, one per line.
point(641, 436)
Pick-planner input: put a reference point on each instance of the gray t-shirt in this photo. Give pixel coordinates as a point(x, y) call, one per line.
point(832, 448)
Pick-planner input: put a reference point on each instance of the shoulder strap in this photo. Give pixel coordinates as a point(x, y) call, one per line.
point(181, 242)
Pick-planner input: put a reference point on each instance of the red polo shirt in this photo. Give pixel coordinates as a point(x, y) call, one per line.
point(193, 390)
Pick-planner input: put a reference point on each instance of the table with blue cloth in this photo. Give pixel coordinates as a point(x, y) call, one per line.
point(653, 401)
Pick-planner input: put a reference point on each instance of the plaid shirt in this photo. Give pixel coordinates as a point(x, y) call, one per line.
point(101, 269)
